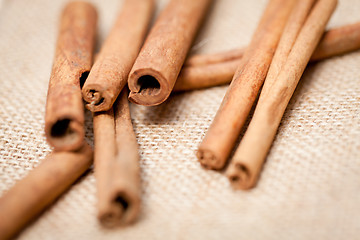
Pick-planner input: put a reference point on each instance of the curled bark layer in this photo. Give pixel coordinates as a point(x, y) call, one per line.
point(112, 66)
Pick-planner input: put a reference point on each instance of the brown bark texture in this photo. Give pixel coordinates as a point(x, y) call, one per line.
point(225, 129)
point(338, 41)
point(248, 160)
point(213, 58)
point(64, 118)
point(112, 66)
point(209, 70)
point(117, 165)
point(157, 67)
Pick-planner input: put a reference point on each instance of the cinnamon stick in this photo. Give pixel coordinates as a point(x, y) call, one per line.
point(295, 23)
point(225, 129)
point(338, 41)
point(292, 29)
point(64, 118)
point(214, 58)
point(247, 162)
point(117, 165)
point(208, 75)
point(157, 67)
point(208, 70)
point(42, 186)
point(112, 66)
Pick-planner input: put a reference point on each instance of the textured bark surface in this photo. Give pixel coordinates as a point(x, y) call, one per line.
point(207, 59)
point(117, 165)
point(248, 160)
point(64, 118)
point(209, 70)
point(157, 67)
point(112, 66)
point(225, 129)
point(206, 75)
point(338, 41)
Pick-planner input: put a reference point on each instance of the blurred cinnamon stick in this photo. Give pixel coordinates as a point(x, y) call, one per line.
point(338, 41)
point(208, 70)
point(214, 58)
point(249, 158)
point(42, 186)
point(116, 165)
point(157, 67)
point(292, 29)
point(112, 66)
point(64, 118)
point(208, 75)
point(225, 129)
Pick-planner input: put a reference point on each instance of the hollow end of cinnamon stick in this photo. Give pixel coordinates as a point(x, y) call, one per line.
point(123, 210)
point(65, 134)
point(209, 160)
point(64, 117)
point(97, 98)
point(148, 87)
point(84, 75)
point(240, 176)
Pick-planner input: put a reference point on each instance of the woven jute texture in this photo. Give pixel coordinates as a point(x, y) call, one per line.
point(310, 184)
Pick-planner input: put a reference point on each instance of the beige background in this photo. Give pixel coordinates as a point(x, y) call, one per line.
point(310, 186)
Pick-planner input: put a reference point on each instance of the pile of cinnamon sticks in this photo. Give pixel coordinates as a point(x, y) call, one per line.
point(289, 35)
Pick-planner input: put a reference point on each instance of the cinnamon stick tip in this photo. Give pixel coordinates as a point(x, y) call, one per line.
point(239, 176)
point(209, 160)
point(96, 97)
point(65, 134)
point(124, 210)
point(74, 4)
point(148, 87)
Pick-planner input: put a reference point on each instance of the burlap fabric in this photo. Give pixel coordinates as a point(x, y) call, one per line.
point(309, 188)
